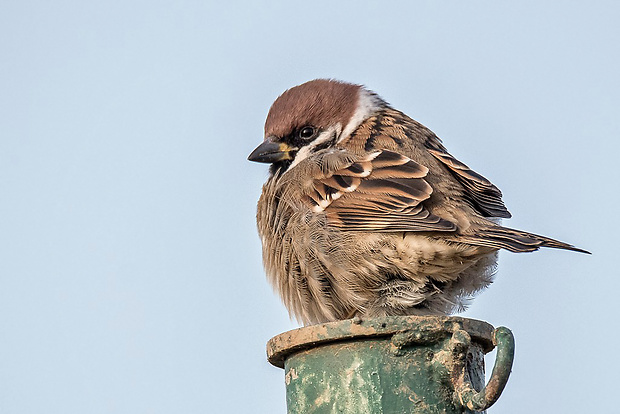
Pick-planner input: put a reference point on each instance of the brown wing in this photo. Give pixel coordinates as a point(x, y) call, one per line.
point(514, 240)
point(384, 191)
point(482, 193)
point(389, 129)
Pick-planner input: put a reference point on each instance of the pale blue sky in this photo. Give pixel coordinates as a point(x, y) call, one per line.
point(130, 270)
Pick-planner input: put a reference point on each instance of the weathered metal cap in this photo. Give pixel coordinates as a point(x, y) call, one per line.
point(428, 328)
point(404, 364)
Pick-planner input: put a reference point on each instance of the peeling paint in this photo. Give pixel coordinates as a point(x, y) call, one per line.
point(290, 375)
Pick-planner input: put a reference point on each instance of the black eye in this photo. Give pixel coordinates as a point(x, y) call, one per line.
point(306, 132)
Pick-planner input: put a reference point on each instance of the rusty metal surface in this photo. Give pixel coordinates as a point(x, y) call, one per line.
point(392, 365)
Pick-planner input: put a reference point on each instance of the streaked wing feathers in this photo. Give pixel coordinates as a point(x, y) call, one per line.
point(514, 240)
point(382, 192)
point(486, 197)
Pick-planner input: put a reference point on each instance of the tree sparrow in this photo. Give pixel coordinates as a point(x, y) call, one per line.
point(366, 214)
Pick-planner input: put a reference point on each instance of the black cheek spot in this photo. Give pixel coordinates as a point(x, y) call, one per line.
point(327, 144)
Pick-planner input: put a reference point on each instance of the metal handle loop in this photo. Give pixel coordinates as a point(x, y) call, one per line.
point(465, 393)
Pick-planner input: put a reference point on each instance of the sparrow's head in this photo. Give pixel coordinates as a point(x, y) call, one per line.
point(311, 117)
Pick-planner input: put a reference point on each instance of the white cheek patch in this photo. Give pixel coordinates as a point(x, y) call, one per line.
point(368, 103)
point(302, 154)
point(323, 137)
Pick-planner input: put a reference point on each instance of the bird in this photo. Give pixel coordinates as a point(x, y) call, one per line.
point(365, 213)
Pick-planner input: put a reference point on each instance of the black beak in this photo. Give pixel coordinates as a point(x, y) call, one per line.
point(270, 152)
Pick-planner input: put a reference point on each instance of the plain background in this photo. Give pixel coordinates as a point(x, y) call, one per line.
point(130, 269)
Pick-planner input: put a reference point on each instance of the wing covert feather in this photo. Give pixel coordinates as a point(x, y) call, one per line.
point(384, 191)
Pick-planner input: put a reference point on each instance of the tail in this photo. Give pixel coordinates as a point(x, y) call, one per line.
point(516, 241)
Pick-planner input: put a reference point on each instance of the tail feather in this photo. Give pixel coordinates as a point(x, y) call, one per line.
point(514, 240)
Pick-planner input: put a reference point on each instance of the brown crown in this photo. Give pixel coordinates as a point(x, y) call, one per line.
point(320, 103)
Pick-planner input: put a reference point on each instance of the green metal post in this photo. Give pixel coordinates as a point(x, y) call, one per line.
point(395, 365)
